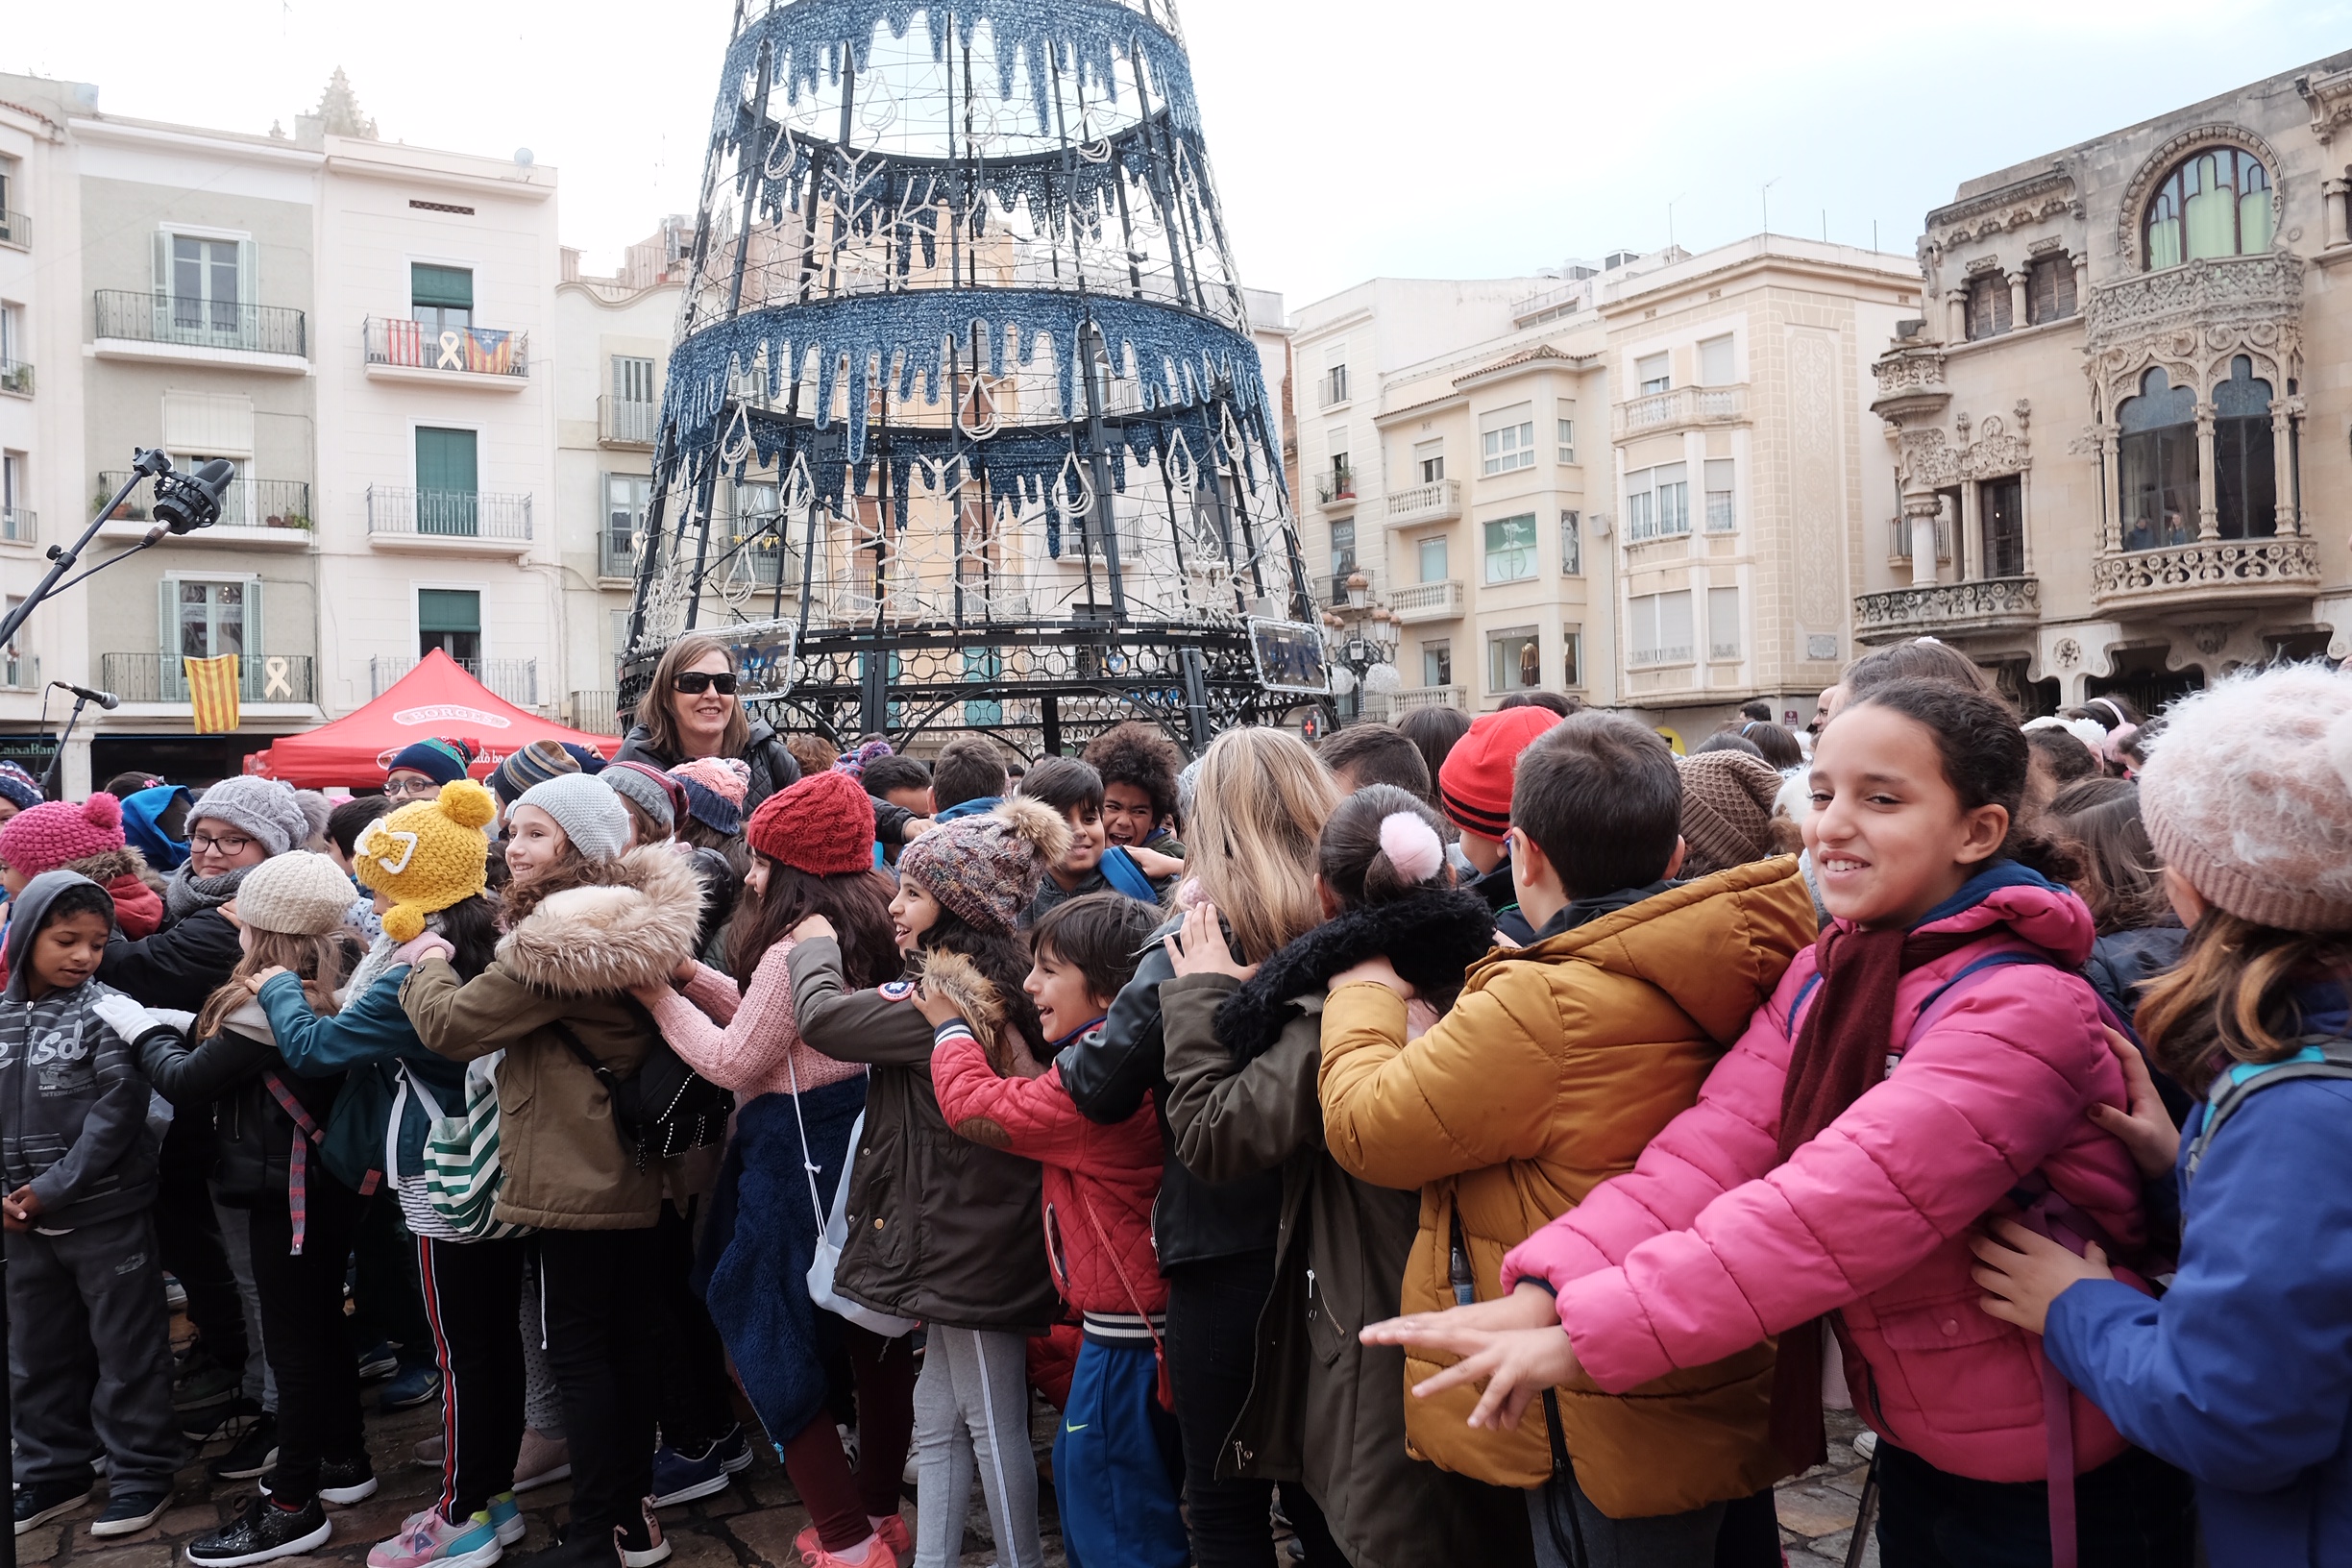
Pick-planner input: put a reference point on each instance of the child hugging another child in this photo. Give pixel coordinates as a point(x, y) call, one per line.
point(89, 1343)
point(939, 1228)
point(1118, 1466)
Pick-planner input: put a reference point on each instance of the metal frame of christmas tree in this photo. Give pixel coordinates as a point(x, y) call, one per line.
point(964, 429)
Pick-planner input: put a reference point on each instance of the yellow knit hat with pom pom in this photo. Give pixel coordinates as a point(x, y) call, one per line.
point(427, 855)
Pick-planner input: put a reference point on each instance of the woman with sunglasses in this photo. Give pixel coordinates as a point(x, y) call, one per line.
point(690, 709)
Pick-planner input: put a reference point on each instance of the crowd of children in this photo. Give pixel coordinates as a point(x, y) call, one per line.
point(1483, 1140)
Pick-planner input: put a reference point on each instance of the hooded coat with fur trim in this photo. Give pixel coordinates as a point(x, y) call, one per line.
point(569, 964)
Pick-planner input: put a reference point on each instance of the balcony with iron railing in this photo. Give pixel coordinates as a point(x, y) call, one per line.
point(471, 521)
point(1680, 407)
point(1336, 488)
point(19, 672)
point(19, 525)
point(626, 422)
point(516, 680)
point(1947, 609)
point(1427, 602)
point(255, 514)
point(402, 349)
point(1438, 501)
point(1333, 386)
point(595, 713)
point(17, 377)
point(135, 326)
point(16, 228)
point(162, 678)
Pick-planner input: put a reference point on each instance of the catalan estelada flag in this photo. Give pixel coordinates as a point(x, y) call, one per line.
point(213, 691)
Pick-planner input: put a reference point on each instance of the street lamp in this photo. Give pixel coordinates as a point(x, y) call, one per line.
point(1362, 661)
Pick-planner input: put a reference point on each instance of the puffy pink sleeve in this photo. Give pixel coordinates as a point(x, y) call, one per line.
point(746, 1054)
point(1984, 1096)
point(1729, 1137)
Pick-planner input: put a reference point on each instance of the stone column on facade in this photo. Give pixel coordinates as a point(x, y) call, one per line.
point(2281, 464)
point(2016, 301)
point(1969, 526)
point(2082, 278)
point(2110, 526)
point(2209, 508)
point(2025, 532)
point(1920, 509)
point(2332, 203)
point(1955, 318)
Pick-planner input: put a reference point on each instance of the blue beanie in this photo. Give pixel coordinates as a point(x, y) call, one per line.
point(19, 788)
point(443, 762)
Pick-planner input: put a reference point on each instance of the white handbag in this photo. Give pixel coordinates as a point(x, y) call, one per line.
point(833, 1232)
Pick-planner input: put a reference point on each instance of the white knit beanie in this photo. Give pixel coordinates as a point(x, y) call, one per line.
point(2247, 792)
point(589, 812)
point(300, 894)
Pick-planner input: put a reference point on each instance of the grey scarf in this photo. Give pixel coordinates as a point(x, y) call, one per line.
point(185, 893)
point(371, 968)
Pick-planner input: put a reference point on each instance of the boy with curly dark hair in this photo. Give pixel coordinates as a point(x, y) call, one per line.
point(1139, 767)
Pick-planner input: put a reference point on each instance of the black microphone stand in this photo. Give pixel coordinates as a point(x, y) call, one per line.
point(53, 780)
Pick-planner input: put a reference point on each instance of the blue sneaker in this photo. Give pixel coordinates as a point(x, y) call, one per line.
point(380, 1361)
point(681, 1478)
point(735, 1451)
point(415, 1385)
point(506, 1518)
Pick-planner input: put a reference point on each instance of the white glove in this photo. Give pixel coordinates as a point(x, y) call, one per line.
point(126, 1017)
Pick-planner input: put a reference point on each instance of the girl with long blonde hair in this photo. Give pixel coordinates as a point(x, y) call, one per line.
point(1259, 805)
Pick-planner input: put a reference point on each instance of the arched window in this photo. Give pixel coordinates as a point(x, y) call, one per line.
point(2157, 464)
point(2217, 202)
point(2245, 468)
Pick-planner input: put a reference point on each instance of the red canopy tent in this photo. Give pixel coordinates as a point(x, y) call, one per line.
point(437, 697)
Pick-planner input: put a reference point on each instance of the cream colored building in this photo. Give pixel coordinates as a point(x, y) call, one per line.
point(1643, 484)
point(2120, 426)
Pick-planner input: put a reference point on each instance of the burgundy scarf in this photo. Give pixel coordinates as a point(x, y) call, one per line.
point(1840, 1053)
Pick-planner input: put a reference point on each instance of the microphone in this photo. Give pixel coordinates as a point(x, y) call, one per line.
point(188, 501)
point(105, 699)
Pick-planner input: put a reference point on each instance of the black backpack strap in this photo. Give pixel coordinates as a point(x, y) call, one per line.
point(2336, 1048)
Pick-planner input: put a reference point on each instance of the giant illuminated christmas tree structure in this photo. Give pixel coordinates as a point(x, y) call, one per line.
point(963, 427)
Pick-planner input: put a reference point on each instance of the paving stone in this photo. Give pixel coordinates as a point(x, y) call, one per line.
point(39, 1545)
point(149, 1554)
point(767, 1534)
point(1813, 1511)
point(190, 1519)
point(698, 1549)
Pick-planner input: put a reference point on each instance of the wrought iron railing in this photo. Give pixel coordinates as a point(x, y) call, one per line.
point(626, 422)
point(201, 324)
point(16, 228)
point(1335, 387)
point(162, 678)
point(472, 350)
point(517, 680)
point(595, 712)
point(450, 514)
point(17, 376)
point(18, 525)
point(1338, 485)
point(247, 503)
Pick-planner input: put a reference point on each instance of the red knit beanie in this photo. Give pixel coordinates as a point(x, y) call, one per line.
point(823, 825)
point(59, 832)
point(1473, 786)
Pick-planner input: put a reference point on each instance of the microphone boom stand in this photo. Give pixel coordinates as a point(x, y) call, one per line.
point(53, 780)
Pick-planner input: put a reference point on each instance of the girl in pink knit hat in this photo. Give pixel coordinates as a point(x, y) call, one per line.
point(62, 836)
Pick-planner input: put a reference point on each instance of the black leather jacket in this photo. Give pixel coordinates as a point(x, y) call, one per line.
point(1108, 1073)
point(773, 767)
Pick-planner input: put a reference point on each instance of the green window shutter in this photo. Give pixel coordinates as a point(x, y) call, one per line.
point(449, 609)
point(446, 286)
point(445, 460)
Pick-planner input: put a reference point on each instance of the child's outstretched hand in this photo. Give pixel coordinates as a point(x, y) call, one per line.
point(1515, 1344)
point(1200, 947)
point(2022, 1273)
point(2145, 1128)
point(20, 1209)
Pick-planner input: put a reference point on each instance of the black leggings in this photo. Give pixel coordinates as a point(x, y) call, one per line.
point(1211, 1341)
point(696, 1403)
point(303, 1330)
point(473, 1291)
point(601, 1344)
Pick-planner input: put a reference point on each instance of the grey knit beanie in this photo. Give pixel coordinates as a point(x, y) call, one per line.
point(589, 812)
point(263, 809)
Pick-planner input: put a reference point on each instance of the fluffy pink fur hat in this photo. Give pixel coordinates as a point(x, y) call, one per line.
point(2248, 794)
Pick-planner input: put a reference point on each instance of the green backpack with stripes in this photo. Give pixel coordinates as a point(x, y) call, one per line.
point(462, 1174)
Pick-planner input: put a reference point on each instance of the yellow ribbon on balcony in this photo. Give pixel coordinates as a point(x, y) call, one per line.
point(212, 693)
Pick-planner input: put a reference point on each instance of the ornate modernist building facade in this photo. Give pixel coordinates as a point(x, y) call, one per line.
point(2119, 437)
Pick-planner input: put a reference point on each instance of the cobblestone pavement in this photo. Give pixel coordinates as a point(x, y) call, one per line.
point(751, 1525)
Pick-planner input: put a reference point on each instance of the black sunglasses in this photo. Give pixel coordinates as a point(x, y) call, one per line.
point(694, 683)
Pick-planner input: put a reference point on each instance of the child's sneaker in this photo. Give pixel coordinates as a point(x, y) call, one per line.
point(879, 1552)
point(641, 1540)
point(542, 1461)
point(251, 1455)
point(735, 1451)
point(506, 1518)
point(127, 1513)
point(427, 1539)
point(340, 1481)
point(896, 1536)
point(42, 1500)
point(262, 1532)
point(681, 1477)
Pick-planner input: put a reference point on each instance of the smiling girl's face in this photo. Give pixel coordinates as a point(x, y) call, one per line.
point(1887, 834)
point(912, 911)
point(534, 843)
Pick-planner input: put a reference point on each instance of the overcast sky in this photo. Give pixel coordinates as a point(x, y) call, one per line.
point(1439, 138)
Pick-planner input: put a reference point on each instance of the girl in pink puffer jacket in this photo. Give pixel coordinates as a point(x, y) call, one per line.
point(1933, 1059)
